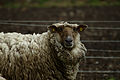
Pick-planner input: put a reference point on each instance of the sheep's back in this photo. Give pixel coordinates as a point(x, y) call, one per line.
point(24, 57)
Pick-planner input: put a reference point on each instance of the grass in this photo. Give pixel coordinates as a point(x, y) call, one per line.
point(65, 3)
point(112, 79)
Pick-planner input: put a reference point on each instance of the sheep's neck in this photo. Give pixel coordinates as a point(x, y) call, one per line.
point(66, 64)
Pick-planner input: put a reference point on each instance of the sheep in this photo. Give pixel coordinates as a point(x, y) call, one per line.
point(52, 55)
point(1, 78)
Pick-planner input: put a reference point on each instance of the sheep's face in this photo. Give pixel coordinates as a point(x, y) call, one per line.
point(67, 35)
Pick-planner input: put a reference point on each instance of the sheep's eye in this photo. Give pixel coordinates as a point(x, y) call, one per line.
point(75, 29)
point(60, 29)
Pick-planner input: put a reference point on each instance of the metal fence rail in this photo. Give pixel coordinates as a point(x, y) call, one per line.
point(101, 41)
point(91, 21)
point(102, 50)
point(42, 25)
point(92, 71)
point(99, 57)
point(21, 24)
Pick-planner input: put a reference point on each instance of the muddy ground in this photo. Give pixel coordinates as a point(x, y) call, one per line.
point(70, 14)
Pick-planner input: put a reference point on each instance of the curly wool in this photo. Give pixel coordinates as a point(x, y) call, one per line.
point(38, 57)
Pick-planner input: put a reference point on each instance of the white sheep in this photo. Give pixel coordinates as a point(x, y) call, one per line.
point(53, 55)
point(1, 78)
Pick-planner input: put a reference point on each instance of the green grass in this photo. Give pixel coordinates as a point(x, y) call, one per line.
point(111, 79)
point(60, 3)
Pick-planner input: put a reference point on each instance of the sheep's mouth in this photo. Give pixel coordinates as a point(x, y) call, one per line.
point(68, 45)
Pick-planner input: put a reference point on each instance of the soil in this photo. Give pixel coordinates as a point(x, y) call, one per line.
point(80, 14)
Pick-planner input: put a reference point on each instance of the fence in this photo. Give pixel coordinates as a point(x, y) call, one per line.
point(28, 23)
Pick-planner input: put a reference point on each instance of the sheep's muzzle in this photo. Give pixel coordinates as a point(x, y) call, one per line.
point(68, 42)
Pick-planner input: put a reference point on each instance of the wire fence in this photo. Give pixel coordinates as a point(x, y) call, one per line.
point(46, 21)
point(41, 25)
point(92, 71)
point(28, 23)
point(101, 41)
point(99, 57)
point(102, 50)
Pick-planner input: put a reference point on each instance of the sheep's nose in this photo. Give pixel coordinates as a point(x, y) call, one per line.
point(68, 40)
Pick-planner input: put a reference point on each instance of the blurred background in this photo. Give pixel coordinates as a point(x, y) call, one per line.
point(102, 38)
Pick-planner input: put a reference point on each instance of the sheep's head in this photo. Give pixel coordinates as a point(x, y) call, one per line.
point(66, 33)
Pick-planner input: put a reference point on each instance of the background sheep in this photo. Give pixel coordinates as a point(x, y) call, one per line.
point(53, 55)
point(1, 78)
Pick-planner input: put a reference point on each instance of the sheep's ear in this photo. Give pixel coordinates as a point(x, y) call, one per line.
point(52, 28)
point(81, 28)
